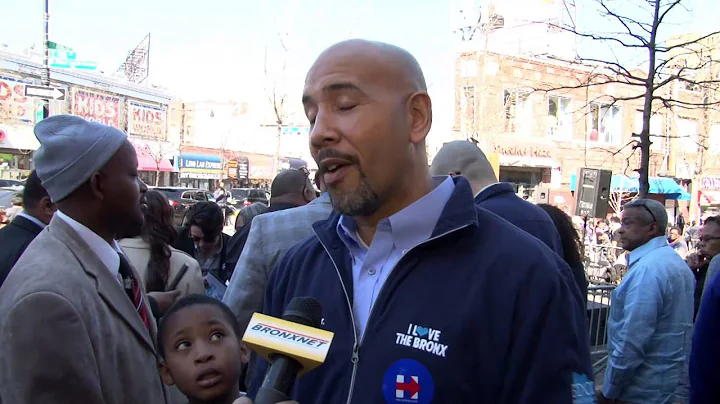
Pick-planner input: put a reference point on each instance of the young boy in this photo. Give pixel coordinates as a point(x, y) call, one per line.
point(199, 341)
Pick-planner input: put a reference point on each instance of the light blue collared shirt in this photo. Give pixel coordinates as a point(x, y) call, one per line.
point(394, 237)
point(650, 328)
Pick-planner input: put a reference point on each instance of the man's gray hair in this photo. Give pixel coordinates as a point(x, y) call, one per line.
point(654, 209)
point(464, 158)
point(249, 212)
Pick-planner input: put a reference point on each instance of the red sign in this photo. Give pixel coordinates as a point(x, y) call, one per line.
point(95, 107)
point(14, 105)
point(3, 136)
point(146, 121)
point(710, 183)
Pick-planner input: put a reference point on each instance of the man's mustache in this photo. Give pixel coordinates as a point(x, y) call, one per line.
point(332, 153)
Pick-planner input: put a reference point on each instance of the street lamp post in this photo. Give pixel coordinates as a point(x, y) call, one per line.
point(45, 77)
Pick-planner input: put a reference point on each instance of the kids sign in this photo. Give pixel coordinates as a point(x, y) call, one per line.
point(96, 107)
point(146, 121)
point(14, 105)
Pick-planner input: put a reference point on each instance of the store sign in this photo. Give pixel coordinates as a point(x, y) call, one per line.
point(712, 183)
point(96, 107)
point(146, 121)
point(523, 151)
point(243, 168)
point(14, 105)
point(196, 163)
point(232, 169)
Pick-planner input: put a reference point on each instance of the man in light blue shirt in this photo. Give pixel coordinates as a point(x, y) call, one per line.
point(651, 316)
point(395, 235)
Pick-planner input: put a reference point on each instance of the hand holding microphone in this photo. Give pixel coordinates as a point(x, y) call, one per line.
point(293, 346)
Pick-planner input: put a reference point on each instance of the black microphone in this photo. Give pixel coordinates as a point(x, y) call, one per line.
point(286, 347)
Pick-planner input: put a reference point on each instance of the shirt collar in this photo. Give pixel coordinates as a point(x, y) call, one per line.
point(655, 243)
point(32, 219)
point(107, 253)
point(493, 190)
point(412, 225)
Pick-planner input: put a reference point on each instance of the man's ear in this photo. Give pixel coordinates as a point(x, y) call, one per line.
point(165, 374)
point(96, 185)
point(48, 208)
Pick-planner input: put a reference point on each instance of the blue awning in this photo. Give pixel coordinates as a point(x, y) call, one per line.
point(658, 185)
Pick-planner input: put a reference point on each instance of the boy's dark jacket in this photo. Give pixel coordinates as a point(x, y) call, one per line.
point(506, 307)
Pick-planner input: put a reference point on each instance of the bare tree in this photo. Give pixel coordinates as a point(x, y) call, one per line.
point(685, 62)
point(277, 95)
point(158, 151)
point(618, 198)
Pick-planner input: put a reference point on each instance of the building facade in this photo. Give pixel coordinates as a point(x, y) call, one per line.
point(544, 123)
point(138, 110)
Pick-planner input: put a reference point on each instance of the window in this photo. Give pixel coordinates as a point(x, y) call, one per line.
point(605, 123)
point(657, 135)
point(468, 68)
point(467, 107)
point(687, 132)
point(714, 141)
point(518, 111)
point(559, 118)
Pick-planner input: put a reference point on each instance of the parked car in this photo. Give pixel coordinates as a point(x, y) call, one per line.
point(7, 195)
point(181, 199)
point(247, 196)
point(12, 184)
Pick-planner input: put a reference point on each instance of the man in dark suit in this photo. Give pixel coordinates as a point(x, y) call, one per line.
point(16, 236)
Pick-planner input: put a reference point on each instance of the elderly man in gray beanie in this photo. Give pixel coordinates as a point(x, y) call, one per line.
point(651, 316)
point(75, 326)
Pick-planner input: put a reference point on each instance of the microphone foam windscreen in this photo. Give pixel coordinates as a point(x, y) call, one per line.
point(304, 310)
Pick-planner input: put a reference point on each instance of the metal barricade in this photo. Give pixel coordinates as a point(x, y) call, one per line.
point(598, 312)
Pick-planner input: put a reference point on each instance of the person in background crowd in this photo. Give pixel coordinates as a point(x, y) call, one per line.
point(221, 197)
point(400, 234)
point(651, 316)
point(677, 242)
point(75, 325)
point(16, 208)
point(269, 237)
point(615, 237)
point(3, 218)
point(464, 158)
point(16, 237)
point(203, 239)
point(692, 235)
point(161, 267)
point(247, 213)
point(680, 222)
point(572, 246)
point(705, 356)
point(708, 248)
point(699, 262)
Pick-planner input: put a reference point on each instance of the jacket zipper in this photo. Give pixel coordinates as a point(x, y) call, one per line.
point(356, 347)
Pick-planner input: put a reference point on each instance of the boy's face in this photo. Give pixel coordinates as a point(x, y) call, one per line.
point(202, 353)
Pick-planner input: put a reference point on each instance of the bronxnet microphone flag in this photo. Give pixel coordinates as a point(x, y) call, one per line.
point(269, 335)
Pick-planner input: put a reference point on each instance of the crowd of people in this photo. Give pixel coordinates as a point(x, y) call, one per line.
point(438, 282)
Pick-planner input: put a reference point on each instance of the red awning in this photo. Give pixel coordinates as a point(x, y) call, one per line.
point(147, 163)
point(709, 197)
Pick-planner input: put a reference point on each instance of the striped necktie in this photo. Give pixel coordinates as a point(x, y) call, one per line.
point(132, 288)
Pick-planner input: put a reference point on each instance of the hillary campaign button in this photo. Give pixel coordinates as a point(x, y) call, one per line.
point(408, 381)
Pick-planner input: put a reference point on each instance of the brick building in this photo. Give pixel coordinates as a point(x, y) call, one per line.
point(543, 124)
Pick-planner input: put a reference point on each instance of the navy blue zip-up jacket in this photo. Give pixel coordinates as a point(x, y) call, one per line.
point(501, 200)
point(480, 313)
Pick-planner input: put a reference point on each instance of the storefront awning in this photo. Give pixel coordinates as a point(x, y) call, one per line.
point(709, 197)
point(18, 137)
point(147, 163)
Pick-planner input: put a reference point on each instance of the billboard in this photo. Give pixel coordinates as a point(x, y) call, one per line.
point(96, 107)
point(146, 121)
point(14, 106)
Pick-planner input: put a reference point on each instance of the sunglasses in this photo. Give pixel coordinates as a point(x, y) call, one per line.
point(706, 239)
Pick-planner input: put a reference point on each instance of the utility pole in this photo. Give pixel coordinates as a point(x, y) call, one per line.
point(45, 77)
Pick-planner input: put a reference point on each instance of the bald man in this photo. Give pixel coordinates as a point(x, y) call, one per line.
point(426, 294)
point(464, 158)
